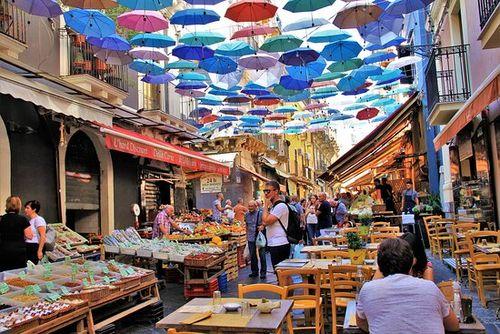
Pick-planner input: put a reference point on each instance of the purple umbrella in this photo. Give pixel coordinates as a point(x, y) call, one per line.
point(200, 112)
point(188, 52)
point(355, 92)
point(158, 79)
point(112, 57)
point(44, 8)
point(231, 111)
point(386, 28)
point(399, 7)
point(186, 85)
point(190, 92)
point(145, 52)
point(290, 83)
point(112, 42)
point(299, 56)
point(257, 62)
point(239, 98)
point(259, 111)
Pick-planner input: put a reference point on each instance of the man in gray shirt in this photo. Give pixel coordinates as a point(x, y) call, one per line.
point(253, 219)
point(400, 303)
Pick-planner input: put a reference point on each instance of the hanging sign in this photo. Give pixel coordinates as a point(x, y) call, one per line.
point(211, 183)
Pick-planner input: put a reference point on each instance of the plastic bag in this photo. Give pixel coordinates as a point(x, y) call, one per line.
point(246, 252)
point(297, 252)
point(260, 241)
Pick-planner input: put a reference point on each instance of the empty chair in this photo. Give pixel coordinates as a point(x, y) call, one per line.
point(461, 252)
point(377, 238)
point(393, 230)
point(334, 254)
point(381, 224)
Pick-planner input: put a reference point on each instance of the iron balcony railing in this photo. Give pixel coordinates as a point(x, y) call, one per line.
point(447, 75)
point(486, 9)
point(12, 21)
point(83, 61)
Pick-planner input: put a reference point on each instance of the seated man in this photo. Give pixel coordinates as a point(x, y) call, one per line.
point(399, 302)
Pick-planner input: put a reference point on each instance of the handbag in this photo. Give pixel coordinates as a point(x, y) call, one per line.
point(260, 241)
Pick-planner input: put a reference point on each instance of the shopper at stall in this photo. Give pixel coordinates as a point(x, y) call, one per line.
point(34, 246)
point(217, 209)
point(14, 230)
point(339, 213)
point(240, 210)
point(387, 195)
point(253, 219)
point(275, 220)
point(409, 198)
point(164, 223)
point(312, 219)
point(324, 213)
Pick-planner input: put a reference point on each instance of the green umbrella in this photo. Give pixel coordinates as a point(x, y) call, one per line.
point(300, 6)
point(281, 43)
point(202, 38)
point(282, 91)
point(345, 65)
point(328, 36)
point(326, 90)
point(328, 76)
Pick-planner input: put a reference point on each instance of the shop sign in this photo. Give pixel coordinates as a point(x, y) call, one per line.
point(211, 184)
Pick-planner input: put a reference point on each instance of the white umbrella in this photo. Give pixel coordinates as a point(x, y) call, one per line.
point(295, 124)
point(404, 61)
point(267, 78)
point(226, 81)
point(301, 115)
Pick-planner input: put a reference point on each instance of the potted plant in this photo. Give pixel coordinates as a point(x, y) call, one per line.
point(365, 218)
point(79, 40)
point(355, 248)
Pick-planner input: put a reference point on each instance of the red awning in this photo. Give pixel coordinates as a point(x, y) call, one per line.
point(483, 97)
point(131, 142)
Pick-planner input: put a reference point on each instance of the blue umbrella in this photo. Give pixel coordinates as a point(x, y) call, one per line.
point(393, 42)
point(203, 2)
point(299, 56)
point(322, 96)
point(210, 100)
point(340, 117)
point(91, 23)
point(308, 71)
point(325, 90)
point(188, 52)
point(192, 76)
point(158, 79)
point(248, 124)
point(355, 92)
point(305, 24)
point(181, 65)
point(282, 91)
point(202, 38)
point(378, 57)
point(290, 83)
point(252, 88)
point(234, 49)
point(223, 92)
point(43, 8)
point(387, 75)
point(328, 76)
point(271, 124)
point(113, 42)
point(341, 50)
point(145, 4)
point(328, 36)
point(200, 112)
point(228, 118)
point(304, 95)
point(351, 82)
point(194, 123)
point(259, 111)
point(386, 28)
point(147, 67)
point(285, 109)
point(152, 40)
point(231, 111)
point(186, 84)
point(251, 119)
point(369, 70)
point(383, 102)
point(388, 81)
point(332, 111)
point(379, 118)
point(392, 108)
point(218, 64)
point(194, 16)
point(368, 97)
point(355, 106)
point(399, 7)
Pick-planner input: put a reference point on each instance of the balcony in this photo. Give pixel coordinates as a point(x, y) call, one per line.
point(102, 80)
point(489, 20)
point(448, 82)
point(12, 30)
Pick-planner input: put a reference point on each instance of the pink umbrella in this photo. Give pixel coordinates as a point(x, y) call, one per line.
point(144, 52)
point(257, 62)
point(190, 92)
point(254, 31)
point(143, 20)
point(313, 106)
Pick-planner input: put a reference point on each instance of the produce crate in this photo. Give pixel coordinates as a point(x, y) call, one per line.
point(149, 275)
point(92, 295)
point(161, 256)
point(127, 283)
point(111, 249)
point(202, 260)
point(222, 281)
point(201, 290)
point(242, 263)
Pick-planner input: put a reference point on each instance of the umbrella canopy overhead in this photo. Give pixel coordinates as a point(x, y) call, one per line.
point(254, 31)
point(218, 64)
point(281, 43)
point(396, 41)
point(91, 4)
point(299, 56)
point(257, 62)
point(259, 111)
point(351, 82)
point(147, 67)
point(300, 6)
point(379, 57)
point(143, 20)
point(234, 49)
point(91, 23)
point(356, 14)
point(194, 16)
point(383, 30)
point(328, 76)
point(251, 10)
point(158, 79)
point(367, 113)
point(112, 57)
point(152, 40)
point(188, 52)
point(192, 76)
point(290, 83)
point(144, 52)
point(308, 71)
point(328, 36)
point(44, 8)
point(202, 38)
point(341, 50)
point(181, 65)
point(404, 61)
point(113, 42)
point(145, 4)
point(399, 7)
point(305, 24)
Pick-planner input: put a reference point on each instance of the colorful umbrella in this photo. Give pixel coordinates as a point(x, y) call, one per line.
point(345, 65)
point(341, 50)
point(285, 110)
point(257, 62)
point(357, 14)
point(254, 31)
point(145, 4)
point(146, 67)
point(383, 30)
point(181, 65)
point(328, 36)
point(143, 20)
point(44, 8)
point(192, 76)
point(404, 61)
point(379, 57)
point(251, 10)
point(368, 97)
point(259, 111)
point(313, 106)
point(203, 2)
point(209, 119)
point(300, 6)
point(152, 40)
point(276, 117)
point(227, 80)
point(271, 124)
point(218, 64)
point(251, 119)
point(267, 100)
point(387, 75)
point(340, 117)
point(231, 111)
point(354, 106)
point(383, 102)
point(332, 111)
point(295, 124)
point(234, 49)
point(112, 57)
point(399, 7)
point(367, 113)
point(90, 23)
point(144, 52)
point(267, 78)
point(358, 91)
point(392, 108)
point(188, 52)
point(326, 90)
point(308, 71)
point(305, 24)
point(158, 79)
point(194, 16)
point(328, 76)
point(369, 70)
point(238, 98)
point(379, 118)
point(187, 85)
point(200, 112)
point(302, 115)
point(316, 96)
point(91, 4)
point(393, 42)
point(299, 56)
point(223, 92)
point(201, 38)
point(228, 118)
point(351, 82)
point(190, 92)
point(290, 83)
point(113, 42)
point(281, 43)
point(284, 92)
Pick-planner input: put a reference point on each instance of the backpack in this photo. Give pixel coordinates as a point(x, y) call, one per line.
point(293, 231)
point(50, 238)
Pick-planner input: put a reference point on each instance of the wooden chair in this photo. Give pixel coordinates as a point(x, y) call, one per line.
point(431, 231)
point(280, 291)
point(372, 255)
point(376, 238)
point(174, 331)
point(474, 238)
point(446, 288)
point(461, 247)
point(381, 224)
point(305, 294)
point(442, 238)
point(346, 230)
point(393, 230)
point(334, 254)
point(487, 271)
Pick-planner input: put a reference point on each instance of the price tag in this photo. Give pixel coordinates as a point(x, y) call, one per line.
point(37, 288)
point(22, 275)
point(65, 290)
point(29, 290)
point(4, 288)
point(47, 273)
point(67, 260)
point(74, 269)
point(49, 285)
point(106, 280)
point(85, 282)
point(130, 270)
point(68, 246)
point(30, 265)
point(123, 272)
point(105, 270)
point(53, 296)
point(48, 266)
point(91, 277)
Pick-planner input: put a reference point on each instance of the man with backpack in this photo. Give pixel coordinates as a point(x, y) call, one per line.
point(281, 224)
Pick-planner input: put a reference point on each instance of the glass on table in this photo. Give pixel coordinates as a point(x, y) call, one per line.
point(245, 308)
point(484, 242)
point(217, 302)
point(467, 309)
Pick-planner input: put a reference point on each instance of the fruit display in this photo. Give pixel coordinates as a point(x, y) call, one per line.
point(65, 235)
point(38, 310)
point(69, 243)
point(19, 282)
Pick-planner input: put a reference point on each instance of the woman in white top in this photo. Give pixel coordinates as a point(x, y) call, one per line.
point(228, 211)
point(34, 246)
point(312, 219)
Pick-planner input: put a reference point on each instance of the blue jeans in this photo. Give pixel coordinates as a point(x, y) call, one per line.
point(312, 232)
point(254, 262)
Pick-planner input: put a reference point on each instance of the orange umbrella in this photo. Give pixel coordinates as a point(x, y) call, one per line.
point(251, 10)
point(208, 119)
point(91, 4)
point(366, 113)
point(266, 102)
point(276, 117)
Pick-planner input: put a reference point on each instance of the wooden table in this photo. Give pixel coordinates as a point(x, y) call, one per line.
point(474, 328)
point(313, 251)
point(321, 264)
point(490, 248)
point(259, 323)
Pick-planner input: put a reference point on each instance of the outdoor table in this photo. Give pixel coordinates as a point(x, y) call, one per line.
point(350, 326)
point(321, 264)
point(229, 322)
point(314, 251)
point(489, 248)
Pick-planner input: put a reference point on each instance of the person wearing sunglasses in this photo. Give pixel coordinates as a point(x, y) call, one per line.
point(275, 221)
